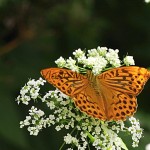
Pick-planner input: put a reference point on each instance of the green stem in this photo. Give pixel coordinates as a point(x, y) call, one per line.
point(62, 146)
point(88, 147)
point(90, 136)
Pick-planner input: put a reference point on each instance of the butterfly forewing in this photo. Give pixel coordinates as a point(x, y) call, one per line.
point(121, 86)
point(65, 80)
point(130, 79)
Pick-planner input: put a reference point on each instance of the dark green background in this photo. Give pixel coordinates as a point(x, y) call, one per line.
point(33, 34)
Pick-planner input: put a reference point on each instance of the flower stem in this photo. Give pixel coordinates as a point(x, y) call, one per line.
point(90, 136)
point(62, 146)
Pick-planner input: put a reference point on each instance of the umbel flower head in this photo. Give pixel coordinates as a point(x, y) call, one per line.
point(87, 131)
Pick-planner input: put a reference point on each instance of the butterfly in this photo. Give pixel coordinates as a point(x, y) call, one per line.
point(110, 95)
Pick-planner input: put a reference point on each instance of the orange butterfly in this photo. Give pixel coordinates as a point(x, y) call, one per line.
point(108, 96)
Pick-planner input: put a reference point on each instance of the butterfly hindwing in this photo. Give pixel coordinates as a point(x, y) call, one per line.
point(91, 103)
point(119, 105)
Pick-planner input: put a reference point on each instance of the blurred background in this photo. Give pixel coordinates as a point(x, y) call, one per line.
point(33, 34)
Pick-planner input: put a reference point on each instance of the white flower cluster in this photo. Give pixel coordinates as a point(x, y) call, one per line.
point(35, 121)
point(30, 91)
point(85, 129)
point(96, 59)
point(135, 131)
point(103, 135)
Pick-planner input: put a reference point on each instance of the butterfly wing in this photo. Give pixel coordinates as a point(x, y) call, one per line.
point(65, 80)
point(79, 88)
point(119, 88)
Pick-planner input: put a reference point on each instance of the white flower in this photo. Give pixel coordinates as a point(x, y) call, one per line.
point(58, 128)
point(147, 1)
point(128, 60)
point(24, 90)
point(40, 82)
point(31, 82)
point(102, 50)
point(97, 130)
point(92, 53)
point(69, 139)
point(99, 65)
point(33, 131)
point(51, 105)
point(34, 92)
point(71, 64)
point(78, 53)
point(60, 62)
point(90, 61)
point(147, 147)
point(96, 142)
point(113, 58)
point(82, 59)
